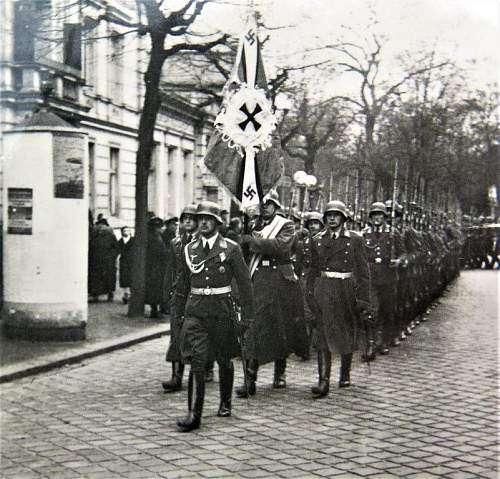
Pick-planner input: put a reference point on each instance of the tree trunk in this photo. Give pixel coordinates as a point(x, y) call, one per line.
point(147, 123)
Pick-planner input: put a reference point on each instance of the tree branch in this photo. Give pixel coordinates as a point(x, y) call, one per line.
point(200, 48)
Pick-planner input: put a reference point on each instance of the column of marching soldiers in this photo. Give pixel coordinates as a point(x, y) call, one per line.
point(287, 282)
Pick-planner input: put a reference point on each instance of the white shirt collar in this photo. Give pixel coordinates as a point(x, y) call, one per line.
point(210, 241)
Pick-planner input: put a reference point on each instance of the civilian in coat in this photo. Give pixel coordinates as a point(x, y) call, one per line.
point(103, 250)
point(125, 247)
point(156, 265)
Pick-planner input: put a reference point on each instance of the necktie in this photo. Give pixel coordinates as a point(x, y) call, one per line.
point(206, 249)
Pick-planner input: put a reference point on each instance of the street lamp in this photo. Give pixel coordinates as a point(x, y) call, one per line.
point(303, 180)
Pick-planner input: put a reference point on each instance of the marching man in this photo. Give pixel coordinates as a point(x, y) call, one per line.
point(338, 284)
point(204, 300)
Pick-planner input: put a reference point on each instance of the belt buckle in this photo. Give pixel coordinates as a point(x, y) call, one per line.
point(207, 291)
point(378, 260)
point(266, 262)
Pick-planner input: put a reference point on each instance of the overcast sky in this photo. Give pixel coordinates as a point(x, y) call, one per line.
point(462, 30)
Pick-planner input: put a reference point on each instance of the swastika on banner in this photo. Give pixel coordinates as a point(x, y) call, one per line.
point(250, 37)
point(250, 192)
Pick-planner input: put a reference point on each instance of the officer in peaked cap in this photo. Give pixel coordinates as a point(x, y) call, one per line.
point(189, 225)
point(338, 290)
point(203, 299)
point(385, 252)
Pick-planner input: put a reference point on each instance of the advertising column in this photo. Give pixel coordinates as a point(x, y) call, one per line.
point(45, 230)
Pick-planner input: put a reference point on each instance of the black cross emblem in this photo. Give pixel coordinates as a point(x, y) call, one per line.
point(250, 192)
point(250, 37)
point(250, 117)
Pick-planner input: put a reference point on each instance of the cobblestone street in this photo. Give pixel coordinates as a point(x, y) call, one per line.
point(428, 410)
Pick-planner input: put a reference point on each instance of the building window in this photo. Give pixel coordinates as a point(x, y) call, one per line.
point(212, 193)
point(70, 90)
point(113, 193)
point(116, 67)
point(91, 176)
point(72, 53)
point(152, 180)
point(188, 177)
point(24, 31)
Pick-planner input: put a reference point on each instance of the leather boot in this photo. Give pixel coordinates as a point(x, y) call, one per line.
point(209, 372)
point(345, 370)
point(279, 381)
point(324, 368)
point(226, 378)
point(369, 354)
point(383, 349)
point(243, 391)
point(196, 393)
point(175, 383)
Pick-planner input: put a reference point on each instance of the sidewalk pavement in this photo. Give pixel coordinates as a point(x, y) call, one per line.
point(108, 328)
point(428, 410)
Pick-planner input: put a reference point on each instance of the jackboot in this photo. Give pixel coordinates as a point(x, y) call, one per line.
point(324, 368)
point(196, 394)
point(209, 371)
point(279, 381)
point(175, 383)
point(226, 378)
point(345, 370)
point(369, 354)
point(244, 391)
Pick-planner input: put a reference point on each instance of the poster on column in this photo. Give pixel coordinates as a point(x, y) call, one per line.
point(20, 211)
point(68, 155)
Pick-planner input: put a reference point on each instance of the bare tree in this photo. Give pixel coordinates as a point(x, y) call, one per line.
point(364, 61)
point(161, 27)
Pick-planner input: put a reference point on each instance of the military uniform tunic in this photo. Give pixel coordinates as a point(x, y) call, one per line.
point(209, 318)
point(380, 245)
point(338, 302)
point(175, 263)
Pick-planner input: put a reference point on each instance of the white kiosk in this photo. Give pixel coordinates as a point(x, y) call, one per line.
point(45, 229)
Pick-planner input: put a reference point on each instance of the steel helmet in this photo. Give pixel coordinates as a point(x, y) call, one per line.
point(313, 216)
point(209, 208)
point(189, 210)
point(273, 197)
point(338, 206)
point(399, 208)
point(377, 207)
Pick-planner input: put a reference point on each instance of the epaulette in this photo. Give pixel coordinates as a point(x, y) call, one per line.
point(223, 242)
point(356, 233)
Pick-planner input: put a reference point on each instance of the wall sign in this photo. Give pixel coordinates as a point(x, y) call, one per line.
point(68, 154)
point(20, 211)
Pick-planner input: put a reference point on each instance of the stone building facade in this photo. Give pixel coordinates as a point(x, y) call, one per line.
point(95, 68)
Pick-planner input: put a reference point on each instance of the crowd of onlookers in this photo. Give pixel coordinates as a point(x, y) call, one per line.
point(110, 259)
